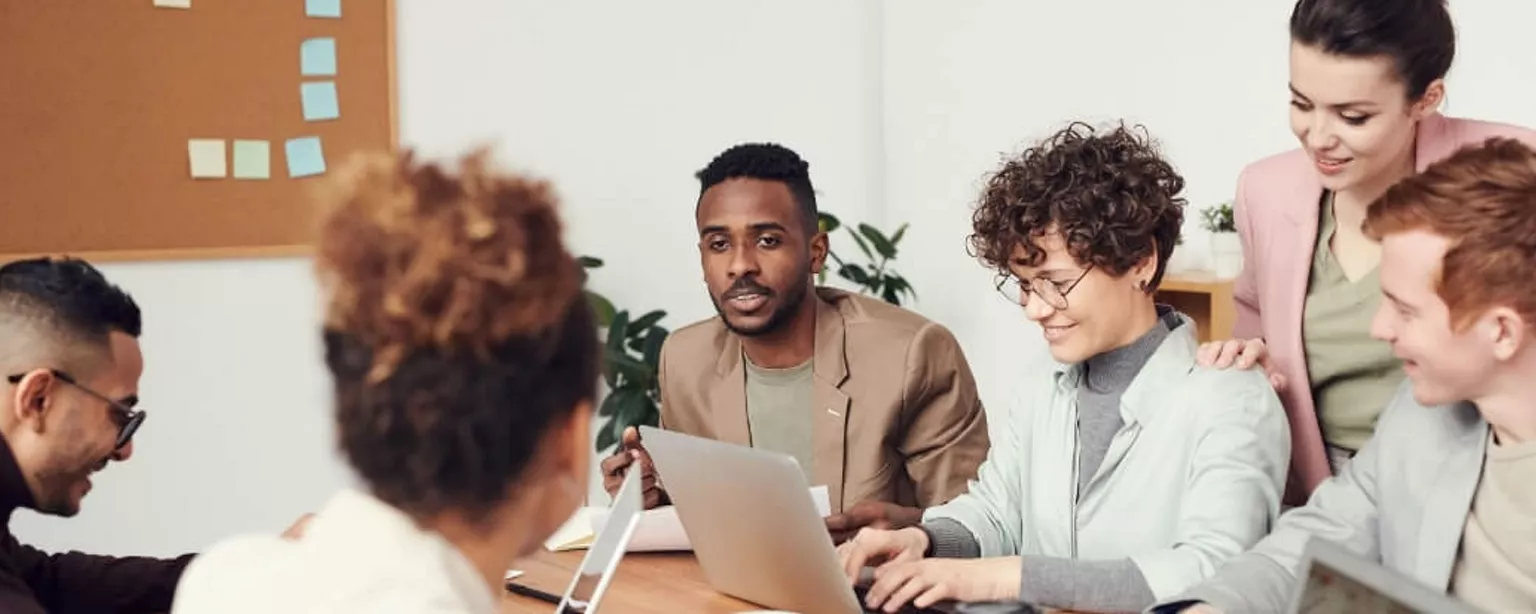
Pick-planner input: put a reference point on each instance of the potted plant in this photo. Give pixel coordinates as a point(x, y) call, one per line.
point(1226, 246)
point(631, 353)
point(875, 278)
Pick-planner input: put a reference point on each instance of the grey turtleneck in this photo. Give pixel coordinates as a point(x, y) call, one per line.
point(1115, 585)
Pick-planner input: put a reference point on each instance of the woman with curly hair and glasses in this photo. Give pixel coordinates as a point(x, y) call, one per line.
point(1127, 473)
point(464, 362)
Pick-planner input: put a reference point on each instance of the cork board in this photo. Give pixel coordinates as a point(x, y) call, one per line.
point(101, 97)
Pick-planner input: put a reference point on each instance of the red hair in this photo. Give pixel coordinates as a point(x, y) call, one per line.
point(1482, 198)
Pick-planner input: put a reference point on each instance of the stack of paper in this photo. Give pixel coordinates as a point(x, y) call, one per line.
point(659, 530)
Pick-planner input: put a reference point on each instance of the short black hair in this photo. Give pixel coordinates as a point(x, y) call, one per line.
point(1418, 35)
point(73, 296)
point(767, 162)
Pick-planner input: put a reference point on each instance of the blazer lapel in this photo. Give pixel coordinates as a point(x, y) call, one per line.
point(728, 395)
point(830, 413)
point(1450, 500)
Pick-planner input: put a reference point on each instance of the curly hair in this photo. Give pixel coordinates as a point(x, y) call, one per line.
point(1112, 198)
point(455, 328)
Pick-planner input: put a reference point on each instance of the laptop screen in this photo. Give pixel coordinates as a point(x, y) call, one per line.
point(606, 551)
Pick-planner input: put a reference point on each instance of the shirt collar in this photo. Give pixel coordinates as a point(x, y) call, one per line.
point(1158, 379)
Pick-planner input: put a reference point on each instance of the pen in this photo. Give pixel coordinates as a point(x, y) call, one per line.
point(528, 591)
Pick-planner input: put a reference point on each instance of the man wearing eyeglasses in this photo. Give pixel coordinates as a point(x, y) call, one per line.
point(70, 356)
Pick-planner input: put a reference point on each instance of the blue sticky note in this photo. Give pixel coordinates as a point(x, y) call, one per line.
point(305, 157)
point(323, 8)
point(319, 100)
point(317, 57)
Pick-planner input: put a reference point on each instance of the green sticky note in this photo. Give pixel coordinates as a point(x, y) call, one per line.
point(253, 160)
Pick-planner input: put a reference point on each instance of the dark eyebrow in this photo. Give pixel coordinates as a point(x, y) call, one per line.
point(1353, 104)
point(1397, 301)
point(758, 227)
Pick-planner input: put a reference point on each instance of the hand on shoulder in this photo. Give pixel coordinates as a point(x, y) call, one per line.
point(1242, 354)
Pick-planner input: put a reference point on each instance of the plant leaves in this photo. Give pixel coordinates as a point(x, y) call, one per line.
point(890, 295)
point(854, 273)
point(896, 238)
point(863, 247)
point(602, 308)
point(640, 324)
point(610, 404)
point(651, 354)
point(617, 331)
point(828, 222)
point(589, 262)
point(605, 438)
point(628, 367)
point(900, 284)
point(882, 244)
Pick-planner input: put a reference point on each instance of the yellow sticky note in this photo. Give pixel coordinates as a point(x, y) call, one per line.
point(207, 158)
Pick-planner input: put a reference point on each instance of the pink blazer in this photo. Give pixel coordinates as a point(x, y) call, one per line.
point(1276, 215)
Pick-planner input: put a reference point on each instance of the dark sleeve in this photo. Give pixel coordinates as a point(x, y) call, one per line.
point(77, 582)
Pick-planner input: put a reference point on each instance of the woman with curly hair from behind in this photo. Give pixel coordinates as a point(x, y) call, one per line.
point(464, 363)
point(1127, 473)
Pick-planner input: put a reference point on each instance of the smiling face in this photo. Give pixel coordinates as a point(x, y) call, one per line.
point(757, 257)
point(1444, 365)
point(1353, 117)
point(1103, 312)
point(78, 429)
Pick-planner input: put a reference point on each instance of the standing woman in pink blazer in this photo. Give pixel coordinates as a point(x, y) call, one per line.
point(1366, 80)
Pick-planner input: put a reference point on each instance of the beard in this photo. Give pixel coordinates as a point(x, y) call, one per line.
point(781, 315)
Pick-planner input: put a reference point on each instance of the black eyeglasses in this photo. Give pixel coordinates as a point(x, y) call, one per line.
point(128, 419)
point(1053, 293)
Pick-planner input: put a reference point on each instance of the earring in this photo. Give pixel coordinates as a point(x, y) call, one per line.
point(1143, 285)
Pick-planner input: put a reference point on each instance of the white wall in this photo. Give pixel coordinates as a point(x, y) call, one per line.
point(900, 106)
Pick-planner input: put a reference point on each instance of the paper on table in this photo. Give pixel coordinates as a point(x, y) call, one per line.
point(660, 530)
point(575, 534)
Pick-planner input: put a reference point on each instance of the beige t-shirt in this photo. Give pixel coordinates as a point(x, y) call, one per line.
point(1353, 376)
point(1496, 568)
point(779, 412)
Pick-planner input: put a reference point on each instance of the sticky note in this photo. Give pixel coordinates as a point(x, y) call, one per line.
point(317, 57)
point(305, 157)
point(323, 8)
point(319, 100)
point(253, 159)
point(207, 158)
point(174, 4)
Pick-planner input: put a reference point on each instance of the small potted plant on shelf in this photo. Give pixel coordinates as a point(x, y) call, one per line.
point(1226, 247)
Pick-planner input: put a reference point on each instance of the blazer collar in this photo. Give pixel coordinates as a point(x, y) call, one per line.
point(1455, 485)
point(1160, 379)
point(1430, 143)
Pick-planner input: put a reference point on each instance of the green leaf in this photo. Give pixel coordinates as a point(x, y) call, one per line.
point(605, 437)
point(890, 295)
point(617, 331)
point(627, 367)
point(896, 238)
point(854, 273)
point(900, 284)
point(602, 308)
point(651, 354)
point(882, 244)
point(610, 403)
point(864, 247)
point(588, 262)
point(646, 321)
point(828, 222)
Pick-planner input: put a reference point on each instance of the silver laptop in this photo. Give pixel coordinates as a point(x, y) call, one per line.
point(603, 556)
point(1334, 580)
point(753, 526)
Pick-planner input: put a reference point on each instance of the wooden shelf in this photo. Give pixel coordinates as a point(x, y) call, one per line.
point(1205, 298)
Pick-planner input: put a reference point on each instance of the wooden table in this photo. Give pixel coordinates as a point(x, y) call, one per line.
point(646, 583)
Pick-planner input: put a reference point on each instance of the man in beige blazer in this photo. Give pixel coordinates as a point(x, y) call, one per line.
point(876, 402)
point(1442, 492)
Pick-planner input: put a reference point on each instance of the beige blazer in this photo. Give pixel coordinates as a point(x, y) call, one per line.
point(1402, 501)
point(896, 410)
point(1276, 213)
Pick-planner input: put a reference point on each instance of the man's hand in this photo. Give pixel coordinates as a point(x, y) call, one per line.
point(296, 530)
point(873, 515)
point(1240, 353)
point(632, 452)
point(875, 547)
point(926, 582)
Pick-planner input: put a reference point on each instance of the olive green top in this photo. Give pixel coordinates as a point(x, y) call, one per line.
point(779, 412)
point(1353, 376)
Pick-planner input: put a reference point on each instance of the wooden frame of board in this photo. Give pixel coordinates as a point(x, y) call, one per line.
point(94, 156)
